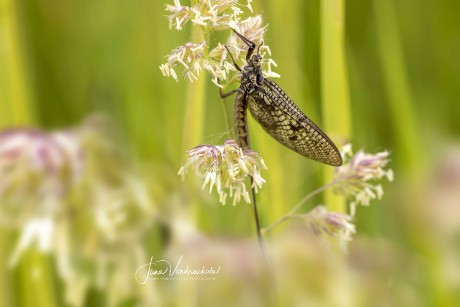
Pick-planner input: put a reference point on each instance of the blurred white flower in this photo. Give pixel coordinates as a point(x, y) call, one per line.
point(72, 194)
point(333, 226)
point(37, 230)
point(357, 177)
point(36, 167)
point(227, 167)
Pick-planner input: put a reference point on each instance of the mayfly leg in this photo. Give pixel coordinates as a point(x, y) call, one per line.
point(225, 95)
point(233, 60)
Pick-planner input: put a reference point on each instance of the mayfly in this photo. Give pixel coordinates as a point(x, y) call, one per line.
point(276, 113)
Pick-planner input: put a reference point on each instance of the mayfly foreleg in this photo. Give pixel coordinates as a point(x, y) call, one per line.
point(233, 60)
point(225, 95)
point(228, 94)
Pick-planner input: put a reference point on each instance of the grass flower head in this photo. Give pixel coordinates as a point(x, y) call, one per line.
point(358, 177)
point(214, 15)
point(226, 167)
point(333, 226)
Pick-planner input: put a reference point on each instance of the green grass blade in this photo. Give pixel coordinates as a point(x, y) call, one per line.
point(334, 84)
point(15, 104)
point(397, 84)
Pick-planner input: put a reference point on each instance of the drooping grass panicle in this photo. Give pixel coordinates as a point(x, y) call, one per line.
point(333, 226)
point(358, 178)
point(226, 167)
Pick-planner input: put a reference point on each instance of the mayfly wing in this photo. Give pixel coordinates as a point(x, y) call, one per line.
point(240, 120)
point(286, 123)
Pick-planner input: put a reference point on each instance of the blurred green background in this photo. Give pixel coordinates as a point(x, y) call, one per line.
point(387, 78)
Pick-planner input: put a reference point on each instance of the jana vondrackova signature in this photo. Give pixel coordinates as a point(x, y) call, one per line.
point(163, 269)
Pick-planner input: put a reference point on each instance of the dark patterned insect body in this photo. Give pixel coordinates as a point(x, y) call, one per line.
point(277, 113)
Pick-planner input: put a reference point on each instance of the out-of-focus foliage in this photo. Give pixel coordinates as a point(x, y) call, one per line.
point(61, 61)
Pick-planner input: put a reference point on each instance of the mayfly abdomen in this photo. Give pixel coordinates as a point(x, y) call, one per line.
point(241, 124)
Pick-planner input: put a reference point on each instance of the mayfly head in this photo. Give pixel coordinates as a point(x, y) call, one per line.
point(256, 60)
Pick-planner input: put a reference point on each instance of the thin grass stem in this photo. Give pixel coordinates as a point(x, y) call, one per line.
point(297, 207)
